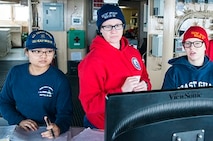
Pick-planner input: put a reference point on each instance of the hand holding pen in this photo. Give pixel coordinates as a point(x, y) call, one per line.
point(52, 129)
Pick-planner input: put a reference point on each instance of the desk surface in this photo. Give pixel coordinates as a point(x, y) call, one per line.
point(15, 133)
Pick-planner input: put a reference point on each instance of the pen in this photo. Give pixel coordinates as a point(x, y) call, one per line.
point(47, 121)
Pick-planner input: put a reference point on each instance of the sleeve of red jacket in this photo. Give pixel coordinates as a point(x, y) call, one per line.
point(145, 77)
point(91, 87)
point(209, 50)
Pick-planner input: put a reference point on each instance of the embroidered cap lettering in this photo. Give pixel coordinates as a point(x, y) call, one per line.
point(109, 15)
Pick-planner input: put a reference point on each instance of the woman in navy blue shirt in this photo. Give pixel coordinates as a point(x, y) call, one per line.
point(37, 89)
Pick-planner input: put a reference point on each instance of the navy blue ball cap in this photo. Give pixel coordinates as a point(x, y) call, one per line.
point(109, 11)
point(40, 39)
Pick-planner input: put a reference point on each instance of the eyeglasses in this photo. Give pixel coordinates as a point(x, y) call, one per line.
point(110, 27)
point(40, 53)
point(196, 44)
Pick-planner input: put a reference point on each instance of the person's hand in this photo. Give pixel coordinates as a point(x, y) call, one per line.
point(142, 86)
point(130, 83)
point(28, 125)
point(52, 130)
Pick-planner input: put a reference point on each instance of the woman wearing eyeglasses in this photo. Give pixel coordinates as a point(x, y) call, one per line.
point(37, 89)
point(195, 69)
point(111, 66)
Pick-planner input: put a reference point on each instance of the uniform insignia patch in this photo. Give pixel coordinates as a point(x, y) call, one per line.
point(136, 63)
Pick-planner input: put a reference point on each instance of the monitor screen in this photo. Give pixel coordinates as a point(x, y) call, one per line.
point(169, 115)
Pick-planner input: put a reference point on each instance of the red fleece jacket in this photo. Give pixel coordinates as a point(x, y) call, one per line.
point(104, 71)
point(209, 50)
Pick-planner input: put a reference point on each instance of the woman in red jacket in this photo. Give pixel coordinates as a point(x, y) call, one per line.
point(111, 66)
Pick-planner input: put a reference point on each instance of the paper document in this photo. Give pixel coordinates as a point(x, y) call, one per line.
point(6, 132)
point(15, 133)
point(89, 135)
point(22, 135)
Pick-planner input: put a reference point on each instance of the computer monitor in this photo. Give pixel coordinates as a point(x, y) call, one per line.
point(172, 115)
